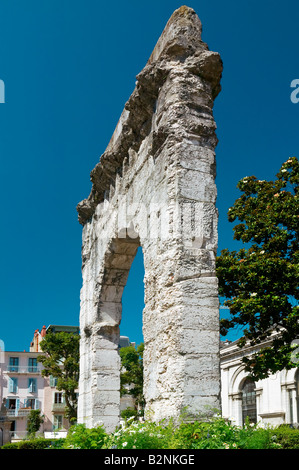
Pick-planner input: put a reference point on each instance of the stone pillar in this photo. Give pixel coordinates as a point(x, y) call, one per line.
point(237, 408)
point(154, 187)
point(259, 409)
point(293, 393)
point(5, 424)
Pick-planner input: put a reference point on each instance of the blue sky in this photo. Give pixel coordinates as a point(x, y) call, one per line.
point(69, 66)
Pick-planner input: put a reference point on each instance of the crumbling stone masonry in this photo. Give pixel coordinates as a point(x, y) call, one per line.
point(154, 187)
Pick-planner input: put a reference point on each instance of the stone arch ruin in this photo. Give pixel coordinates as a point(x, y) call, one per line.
point(154, 187)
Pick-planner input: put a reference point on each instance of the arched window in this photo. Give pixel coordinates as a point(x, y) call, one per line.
point(248, 401)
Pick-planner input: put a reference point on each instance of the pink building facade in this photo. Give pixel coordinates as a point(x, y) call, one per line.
point(23, 388)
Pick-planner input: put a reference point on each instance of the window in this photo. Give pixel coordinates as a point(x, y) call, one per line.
point(13, 364)
point(13, 385)
point(32, 364)
point(248, 401)
point(57, 424)
point(58, 397)
point(11, 403)
point(53, 381)
point(32, 385)
point(31, 403)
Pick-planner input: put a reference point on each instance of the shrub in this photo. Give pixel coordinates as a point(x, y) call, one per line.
point(80, 437)
point(136, 435)
point(285, 437)
point(216, 433)
point(129, 413)
point(254, 437)
point(10, 445)
point(36, 443)
point(35, 419)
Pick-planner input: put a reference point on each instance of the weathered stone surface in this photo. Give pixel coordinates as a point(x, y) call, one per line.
point(154, 187)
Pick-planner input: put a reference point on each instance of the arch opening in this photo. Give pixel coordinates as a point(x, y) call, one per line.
point(133, 301)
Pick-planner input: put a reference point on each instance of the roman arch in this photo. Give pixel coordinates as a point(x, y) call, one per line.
point(154, 187)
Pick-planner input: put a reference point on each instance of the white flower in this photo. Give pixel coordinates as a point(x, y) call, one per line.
point(283, 171)
point(124, 444)
point(262, 252)
point(253, 294)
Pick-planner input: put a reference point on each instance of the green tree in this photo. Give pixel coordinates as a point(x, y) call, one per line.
point(260, 281)
point(34, 422)
point(131, 377)
point(62, 362)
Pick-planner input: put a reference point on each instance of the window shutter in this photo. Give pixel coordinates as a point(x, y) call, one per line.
point(52, 381)
point(13, 385)
point(10, 385)
point(37, 405)
point(17, 404)
point(32, 385)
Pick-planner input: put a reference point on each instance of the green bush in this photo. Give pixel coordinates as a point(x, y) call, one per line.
point(80, 437)
point(35, 420)
point(285, 437)
point(36, 443)
point(10, 445)
point(216, 433)
point(129, 413)
point(136, 435)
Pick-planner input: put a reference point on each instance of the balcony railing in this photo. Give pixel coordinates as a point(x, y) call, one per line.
point(24, 369)
point(18, 412)
point(20, 435)
point(58, 406)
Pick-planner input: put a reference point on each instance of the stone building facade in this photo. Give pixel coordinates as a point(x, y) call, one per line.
point(273, 401)
point(154, 187)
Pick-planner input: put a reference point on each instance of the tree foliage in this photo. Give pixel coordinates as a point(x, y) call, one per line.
point(62, 362)
point(131, 377)
point(260, 281)
point(34, 421)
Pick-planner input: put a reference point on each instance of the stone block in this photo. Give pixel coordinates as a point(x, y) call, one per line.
point(108, 381)
point(105, 359)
